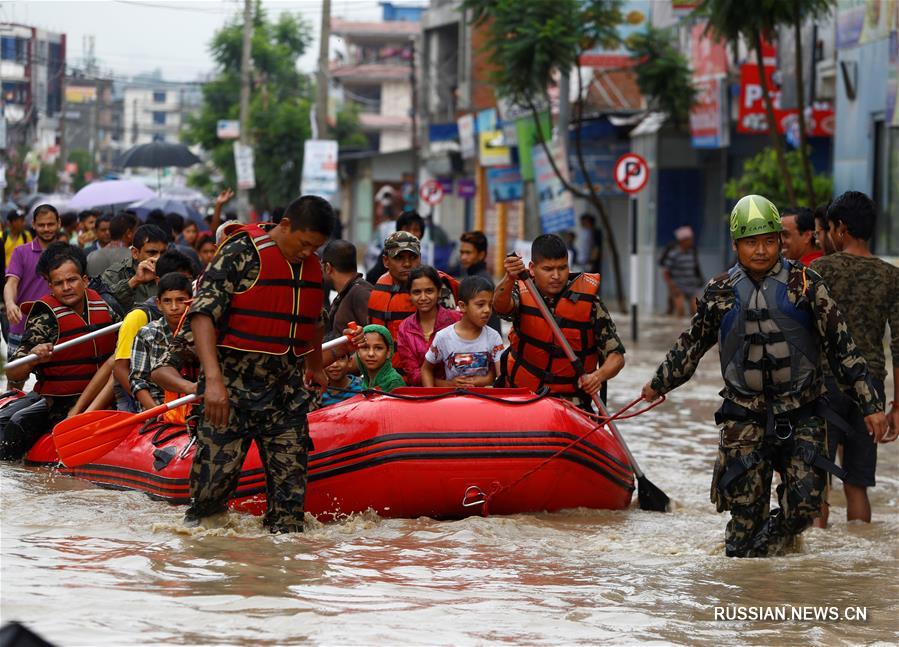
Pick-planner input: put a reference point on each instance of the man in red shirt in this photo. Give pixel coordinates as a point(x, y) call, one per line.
point(798, 236)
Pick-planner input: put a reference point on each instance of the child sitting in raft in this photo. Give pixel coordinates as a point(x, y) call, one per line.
point(469, 350)
point(373, 359)
point(341, 383)
point(416, 332)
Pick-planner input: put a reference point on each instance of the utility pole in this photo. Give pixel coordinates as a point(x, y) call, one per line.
point(63, 148)
point(321, 90)
point(564, 112)
point(414, 114)
point(243, 202)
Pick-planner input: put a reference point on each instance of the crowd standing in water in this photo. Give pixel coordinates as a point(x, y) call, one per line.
point(801, 346)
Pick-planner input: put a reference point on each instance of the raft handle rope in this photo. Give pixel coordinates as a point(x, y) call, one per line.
point(467, 502)
point(541, 393)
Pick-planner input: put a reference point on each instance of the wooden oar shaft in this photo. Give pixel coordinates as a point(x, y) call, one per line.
point(68, 344)
point(569, 353)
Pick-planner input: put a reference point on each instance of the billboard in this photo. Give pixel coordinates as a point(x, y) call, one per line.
point(555, 202)
point(320, 168)
point(752, 118)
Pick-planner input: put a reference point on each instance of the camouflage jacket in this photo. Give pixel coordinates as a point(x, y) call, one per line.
point(116, 278)
point(809, 292)
point(867, 310)
point(607, 340)
point(255, 381)
point(41, 328)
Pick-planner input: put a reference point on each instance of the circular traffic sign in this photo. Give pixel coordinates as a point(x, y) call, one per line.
point(631, 173)
point(431, 192)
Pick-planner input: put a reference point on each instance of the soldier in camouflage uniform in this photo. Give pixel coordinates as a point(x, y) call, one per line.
point(851, 219)
point(256, 394)
point(771, 319)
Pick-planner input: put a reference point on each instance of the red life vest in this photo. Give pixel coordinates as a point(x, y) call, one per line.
point(279, 312)
point(70, 370)
point(389, 303)
point(534, 358)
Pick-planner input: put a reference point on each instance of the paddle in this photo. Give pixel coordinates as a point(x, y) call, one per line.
point(67, 344)
point(89, 436)
point(649, 496)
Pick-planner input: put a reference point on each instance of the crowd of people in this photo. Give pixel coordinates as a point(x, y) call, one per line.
point(239, 318)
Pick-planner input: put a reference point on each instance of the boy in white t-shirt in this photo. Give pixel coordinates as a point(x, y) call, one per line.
point(469, 349)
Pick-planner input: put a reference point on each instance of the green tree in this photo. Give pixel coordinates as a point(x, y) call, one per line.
point(83, 159)
point(802, 10)
point(762, 175)
point(48, 179)
point(347, 131)
point(280, 104)
point(528, 44)
point(663, 74)
point(752, 20)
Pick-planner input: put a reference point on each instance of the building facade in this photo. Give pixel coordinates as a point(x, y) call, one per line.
point(155, 110)
point(32, 72)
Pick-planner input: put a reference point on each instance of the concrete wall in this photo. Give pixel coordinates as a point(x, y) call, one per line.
point(853, 166)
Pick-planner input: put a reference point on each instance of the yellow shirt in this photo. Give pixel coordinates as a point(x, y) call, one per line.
point(12, 242)
point(134, 321)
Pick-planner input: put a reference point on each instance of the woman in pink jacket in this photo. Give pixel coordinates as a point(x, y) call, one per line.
point(416, 332)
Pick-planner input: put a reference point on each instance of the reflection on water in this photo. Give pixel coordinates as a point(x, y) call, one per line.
point(82, 565)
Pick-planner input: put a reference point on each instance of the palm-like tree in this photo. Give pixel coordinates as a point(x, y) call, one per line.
point(752, 20)
point(800, 10)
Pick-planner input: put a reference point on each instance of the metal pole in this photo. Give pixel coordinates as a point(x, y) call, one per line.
point(321, 90)
point(414, 114)
point(67, 344)
point(576, 362)
point(243, 202)
point(634, 266)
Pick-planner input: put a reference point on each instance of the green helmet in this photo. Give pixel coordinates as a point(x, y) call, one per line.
point(754, 215)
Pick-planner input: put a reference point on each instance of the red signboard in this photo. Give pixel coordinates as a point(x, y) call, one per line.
point(707, 55)
point(752, 120)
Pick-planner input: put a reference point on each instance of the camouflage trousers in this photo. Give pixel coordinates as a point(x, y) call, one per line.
point(754, 530)
point(283, 442)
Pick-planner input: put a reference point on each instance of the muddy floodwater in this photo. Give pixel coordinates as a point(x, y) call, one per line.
point(87, 566)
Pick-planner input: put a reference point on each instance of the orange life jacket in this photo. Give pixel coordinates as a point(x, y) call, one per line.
point(70, 370)
point(534, 358)
point(389, 303)
point(279, 312)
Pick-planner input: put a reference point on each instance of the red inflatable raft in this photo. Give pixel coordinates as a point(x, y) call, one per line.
point(435, 454)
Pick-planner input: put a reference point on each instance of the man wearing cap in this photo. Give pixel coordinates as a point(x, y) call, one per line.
point(389, 302)
point(680, 269)
point(772, 319)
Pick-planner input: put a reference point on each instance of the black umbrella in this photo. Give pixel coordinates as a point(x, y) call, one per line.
point(158, 155)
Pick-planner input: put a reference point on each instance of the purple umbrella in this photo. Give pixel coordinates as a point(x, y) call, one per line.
point(143, 207)
point(108, 193)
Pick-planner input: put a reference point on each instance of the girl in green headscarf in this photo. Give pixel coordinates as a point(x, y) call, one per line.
point(373, 358)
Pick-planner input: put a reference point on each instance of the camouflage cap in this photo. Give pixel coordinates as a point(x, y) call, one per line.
point(401, 241)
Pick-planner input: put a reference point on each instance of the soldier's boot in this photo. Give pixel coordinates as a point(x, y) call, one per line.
point(284, 528)
point(774, 537)
point(206, 516)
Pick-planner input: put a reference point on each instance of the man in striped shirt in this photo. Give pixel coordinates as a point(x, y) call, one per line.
point(680, 269)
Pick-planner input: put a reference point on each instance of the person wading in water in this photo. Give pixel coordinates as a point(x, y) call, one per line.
point(771, 319)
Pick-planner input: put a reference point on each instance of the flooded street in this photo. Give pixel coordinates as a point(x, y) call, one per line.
point(86, 566)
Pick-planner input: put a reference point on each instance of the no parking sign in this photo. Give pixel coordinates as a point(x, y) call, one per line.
point(631, 173)
point(431, 192)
